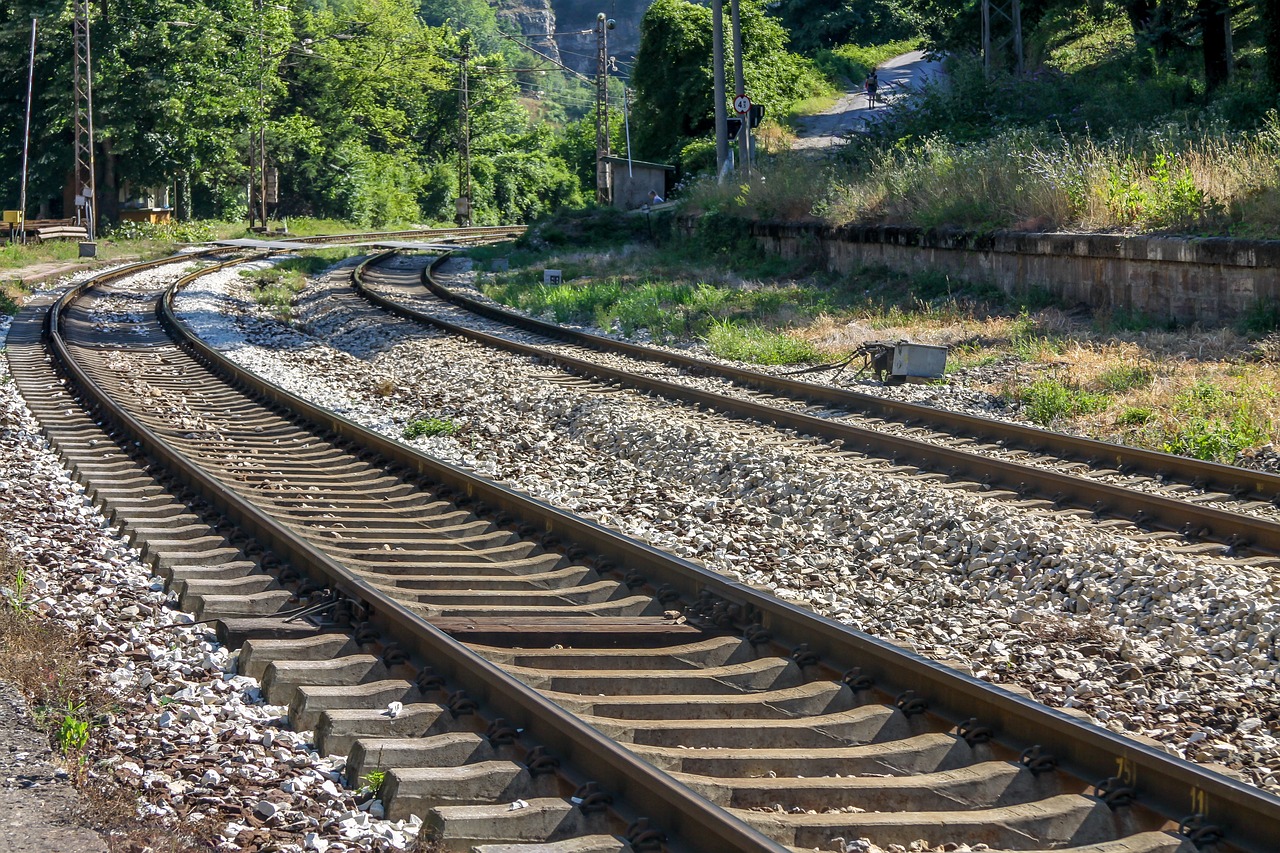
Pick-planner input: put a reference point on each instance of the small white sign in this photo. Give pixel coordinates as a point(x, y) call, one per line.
point(551, 277)
point(742, 105)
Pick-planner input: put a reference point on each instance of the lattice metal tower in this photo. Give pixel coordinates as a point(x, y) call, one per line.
point(86, 182)
point(464, 137)
point(1002, 35)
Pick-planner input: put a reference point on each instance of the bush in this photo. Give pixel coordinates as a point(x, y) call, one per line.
point(196, 231)
point(852, 63)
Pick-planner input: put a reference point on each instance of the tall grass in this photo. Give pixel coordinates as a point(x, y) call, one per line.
point(1168, 180)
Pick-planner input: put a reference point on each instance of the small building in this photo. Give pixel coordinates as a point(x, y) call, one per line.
point(631, 181)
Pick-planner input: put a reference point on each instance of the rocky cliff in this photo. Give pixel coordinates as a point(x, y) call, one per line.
point(534, 18)
point(570, 16)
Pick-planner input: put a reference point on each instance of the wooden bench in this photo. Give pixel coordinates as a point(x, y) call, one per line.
point(47, 229)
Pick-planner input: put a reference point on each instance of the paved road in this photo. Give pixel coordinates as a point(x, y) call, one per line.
point(898, 76)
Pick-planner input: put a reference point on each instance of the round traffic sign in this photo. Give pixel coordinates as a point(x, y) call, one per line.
point(742, 105)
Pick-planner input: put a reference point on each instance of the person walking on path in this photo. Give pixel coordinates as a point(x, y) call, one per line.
point(872, 84)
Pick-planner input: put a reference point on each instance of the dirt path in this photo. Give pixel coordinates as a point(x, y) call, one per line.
point(37, 801)
point(850, 114)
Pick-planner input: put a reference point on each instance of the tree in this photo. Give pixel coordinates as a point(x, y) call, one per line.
point(673, 79)
point(1271, 37)
point(816, 24)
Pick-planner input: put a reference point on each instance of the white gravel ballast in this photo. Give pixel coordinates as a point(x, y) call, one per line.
point(1144, 639)
point(206, 754)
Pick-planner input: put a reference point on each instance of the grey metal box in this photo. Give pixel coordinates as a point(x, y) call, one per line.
point(922, 360)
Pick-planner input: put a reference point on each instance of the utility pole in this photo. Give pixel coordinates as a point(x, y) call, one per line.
point(26, 134)
point(717, 70)
point(464, 137)
point(603, 25)
point(262, 117)
point(740, 84)
point(82, 84)
point(998, 15)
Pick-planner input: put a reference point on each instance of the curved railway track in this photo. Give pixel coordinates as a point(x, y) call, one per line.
point(678, 704)
point(1202, 507)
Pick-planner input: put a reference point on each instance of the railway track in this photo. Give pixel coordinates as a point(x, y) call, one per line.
point(1196, 506)
point(515, 635)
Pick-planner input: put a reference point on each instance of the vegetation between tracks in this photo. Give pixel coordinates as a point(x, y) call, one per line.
point(276, 286)
point(1117, 376)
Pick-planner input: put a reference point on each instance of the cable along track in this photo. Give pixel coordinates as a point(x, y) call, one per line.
point(564, 629)
point(1204, 507)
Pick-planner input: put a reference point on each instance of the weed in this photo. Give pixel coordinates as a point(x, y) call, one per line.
point(1048, 400)
point(72, 735)
point(1262, 317)
point(373, 780)
point(426, 427)
point(1118, 380)
point(756, 344)
point(1214, 423)
point(1135, 416)
point(384, 388)
point(276, 286)
point(8, 305)
point(16, 592)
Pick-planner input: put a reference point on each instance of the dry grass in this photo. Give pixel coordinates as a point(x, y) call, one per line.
point(1204, 392)
point(46, 663)
point(1162, 180)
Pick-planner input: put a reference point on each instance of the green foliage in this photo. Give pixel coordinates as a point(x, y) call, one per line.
point(358, 100)
point(427, 427)
point(1262, 318)
point(756, 344)
point(16, 593)
point(373, 780)
point(171, 232)
point(849, 64)
point(818, 24)
point(673, 80)
point(1048, 400)
point(72, 735)
point(1118, 380)
point(8, 305)
point(276, 286)
point(1215, 424)
point(1135, 416)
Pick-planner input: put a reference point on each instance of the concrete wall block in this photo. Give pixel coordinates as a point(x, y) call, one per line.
point(1209, 280)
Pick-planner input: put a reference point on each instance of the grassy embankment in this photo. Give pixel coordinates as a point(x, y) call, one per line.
point(1104, 135)
point(1124, 377)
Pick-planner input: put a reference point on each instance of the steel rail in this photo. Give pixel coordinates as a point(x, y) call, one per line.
point(678, 810)
point(1171, 786)
point(1231, 479)
point(1142, 508)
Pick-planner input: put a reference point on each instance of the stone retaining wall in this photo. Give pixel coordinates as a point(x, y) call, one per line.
point(1205, 280)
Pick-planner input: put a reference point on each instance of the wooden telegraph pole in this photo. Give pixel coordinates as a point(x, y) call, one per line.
point(26, 135)
point(603, 25)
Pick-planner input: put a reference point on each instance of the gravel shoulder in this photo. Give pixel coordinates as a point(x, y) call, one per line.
point(1143, 640)
point(184, 737)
